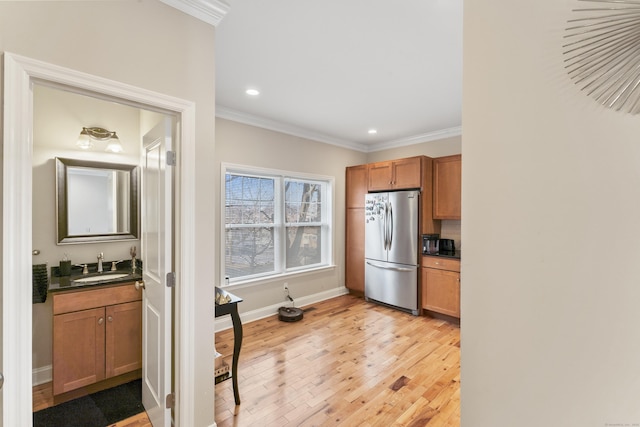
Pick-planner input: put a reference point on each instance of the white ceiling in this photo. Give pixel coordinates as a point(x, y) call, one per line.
point(330, 70)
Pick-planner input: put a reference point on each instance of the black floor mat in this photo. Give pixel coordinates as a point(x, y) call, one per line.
point(96, 410)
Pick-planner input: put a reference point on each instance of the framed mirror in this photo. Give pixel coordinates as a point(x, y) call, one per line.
point(96, 201)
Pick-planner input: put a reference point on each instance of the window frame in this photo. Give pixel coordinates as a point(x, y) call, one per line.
point(280, 225)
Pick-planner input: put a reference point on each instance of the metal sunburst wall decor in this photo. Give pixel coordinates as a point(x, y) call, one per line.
point(602, 52)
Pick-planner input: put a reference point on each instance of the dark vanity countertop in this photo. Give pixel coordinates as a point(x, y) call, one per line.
point(447, 254)
point(63, 283)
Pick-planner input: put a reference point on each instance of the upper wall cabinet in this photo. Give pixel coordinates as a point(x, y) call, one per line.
point(447, 185)
point(395, 174)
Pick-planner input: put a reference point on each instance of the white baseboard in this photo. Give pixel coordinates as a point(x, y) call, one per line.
point(42, 375)
point(261, 313)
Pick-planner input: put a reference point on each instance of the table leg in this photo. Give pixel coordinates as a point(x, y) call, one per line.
point(237, 344)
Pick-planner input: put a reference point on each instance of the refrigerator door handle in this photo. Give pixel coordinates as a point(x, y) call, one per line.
point(390, 226)
point(390, 268)
point(385, 226)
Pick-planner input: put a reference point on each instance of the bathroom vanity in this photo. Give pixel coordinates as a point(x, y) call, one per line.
point(97, 336)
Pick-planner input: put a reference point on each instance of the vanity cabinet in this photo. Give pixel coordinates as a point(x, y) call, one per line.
point(97, 335)
point(447, 187)
point(395, 174)
point(441, 285)
point(356, 189)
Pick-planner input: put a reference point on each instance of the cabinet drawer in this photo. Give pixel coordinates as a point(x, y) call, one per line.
point(66, 302)
point(441, 263)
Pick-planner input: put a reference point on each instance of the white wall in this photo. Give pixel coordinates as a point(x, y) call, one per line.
point(154, 47)
point(551, 271)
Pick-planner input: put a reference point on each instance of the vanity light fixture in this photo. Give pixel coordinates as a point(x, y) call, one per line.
point(88, 135)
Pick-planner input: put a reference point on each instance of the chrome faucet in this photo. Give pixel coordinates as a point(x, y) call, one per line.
point(100, 259)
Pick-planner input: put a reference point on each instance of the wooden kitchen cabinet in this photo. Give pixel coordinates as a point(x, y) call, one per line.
point(97, 335)
point(441, 285)
point(395, 174)
point(356, 189)
point(356, 186)
point(412, 172)
point(447, 187)
point(354, 250)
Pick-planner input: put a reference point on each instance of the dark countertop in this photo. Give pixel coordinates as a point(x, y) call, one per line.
point(447, 254)
point(62, 283)
point(68, 282)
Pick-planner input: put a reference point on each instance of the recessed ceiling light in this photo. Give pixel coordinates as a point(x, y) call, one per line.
point(252, 92)
point(372, 131)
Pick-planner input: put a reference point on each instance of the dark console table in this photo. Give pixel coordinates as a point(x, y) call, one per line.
point(231, 308)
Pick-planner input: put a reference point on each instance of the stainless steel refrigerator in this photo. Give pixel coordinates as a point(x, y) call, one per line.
point(391, 249)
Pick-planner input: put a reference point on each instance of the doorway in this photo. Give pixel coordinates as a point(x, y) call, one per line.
point(20, 74)
point(58, 117)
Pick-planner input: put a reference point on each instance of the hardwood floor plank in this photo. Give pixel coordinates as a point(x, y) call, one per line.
point(347, 362)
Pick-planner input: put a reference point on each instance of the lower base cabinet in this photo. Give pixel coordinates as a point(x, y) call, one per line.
point(97, 334)
point(441, 285)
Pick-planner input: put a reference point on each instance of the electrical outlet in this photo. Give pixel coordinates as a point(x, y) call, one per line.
point(285, 288)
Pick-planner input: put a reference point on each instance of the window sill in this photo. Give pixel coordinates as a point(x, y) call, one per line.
point(276, 277)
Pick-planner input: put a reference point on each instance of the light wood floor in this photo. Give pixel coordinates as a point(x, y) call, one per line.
point(347, 363)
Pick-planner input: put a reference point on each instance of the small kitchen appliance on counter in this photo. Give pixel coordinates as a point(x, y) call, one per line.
point(446, 246)
point(430, 243)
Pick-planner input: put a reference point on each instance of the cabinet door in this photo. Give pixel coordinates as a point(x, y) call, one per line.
point(78, 349)
point(356, 186)
point(123, 352)
point(380, 176)
point(354, 251)
point(406, 173)
point(447, 183)
point(441, 291)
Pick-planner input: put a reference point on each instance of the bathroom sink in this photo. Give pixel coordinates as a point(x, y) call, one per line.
point(101, 278)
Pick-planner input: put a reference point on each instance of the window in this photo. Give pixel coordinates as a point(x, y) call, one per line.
point(275, 223)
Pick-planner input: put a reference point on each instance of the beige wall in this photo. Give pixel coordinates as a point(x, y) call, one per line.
point(550, 331)
point(242, 144)
point(154, 47)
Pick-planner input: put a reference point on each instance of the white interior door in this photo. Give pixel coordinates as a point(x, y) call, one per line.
point(156, 255)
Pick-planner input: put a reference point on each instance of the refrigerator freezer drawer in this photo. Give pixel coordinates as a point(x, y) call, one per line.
point(393, 284)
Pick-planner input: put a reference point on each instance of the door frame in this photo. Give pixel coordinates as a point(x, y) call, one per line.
point(20, 73)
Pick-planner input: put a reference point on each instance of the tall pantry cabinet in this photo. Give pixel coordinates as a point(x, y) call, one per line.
point(356, 188)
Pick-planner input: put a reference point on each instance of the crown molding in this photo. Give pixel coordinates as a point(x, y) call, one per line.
point(248, 119)
point(209, 11)
point(261, 122)
point(417, 139)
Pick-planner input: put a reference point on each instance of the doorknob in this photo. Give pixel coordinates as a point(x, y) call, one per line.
point(1, 380)
point(139, 284)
